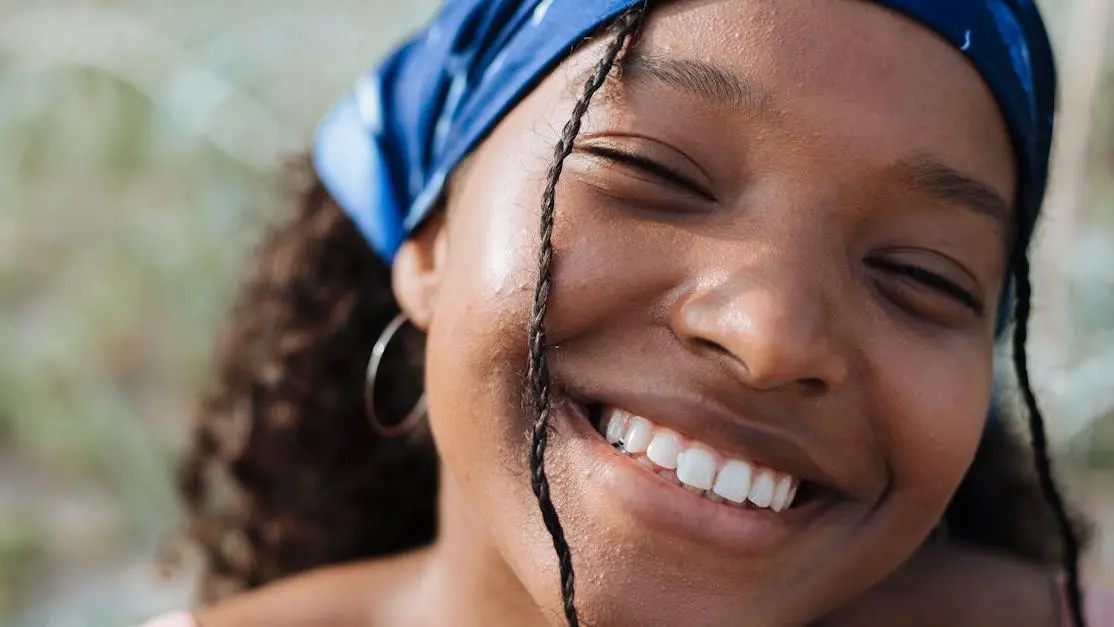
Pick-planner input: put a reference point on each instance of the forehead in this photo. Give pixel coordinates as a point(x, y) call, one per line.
point(849, 73)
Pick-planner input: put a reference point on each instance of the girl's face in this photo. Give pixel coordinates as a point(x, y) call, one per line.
point(782, 235)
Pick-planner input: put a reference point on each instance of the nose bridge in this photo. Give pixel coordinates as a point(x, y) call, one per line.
point(775, 317)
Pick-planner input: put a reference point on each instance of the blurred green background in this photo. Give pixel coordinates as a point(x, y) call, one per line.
point(140, 147)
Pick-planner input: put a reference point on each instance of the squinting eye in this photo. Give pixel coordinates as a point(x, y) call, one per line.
point(931, 280)
point(653, 168)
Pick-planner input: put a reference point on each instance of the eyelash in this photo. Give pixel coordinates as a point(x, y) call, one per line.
point(933, 281)
point(652, 168)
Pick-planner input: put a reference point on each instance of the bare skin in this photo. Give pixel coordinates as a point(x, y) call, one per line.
point(763, 284)
point(939, 586)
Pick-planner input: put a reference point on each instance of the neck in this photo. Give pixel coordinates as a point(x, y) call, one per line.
point(468, 581)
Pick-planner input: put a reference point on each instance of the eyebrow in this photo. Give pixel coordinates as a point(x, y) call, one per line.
point(698, 78)
point(714, 84)
point(952, 186)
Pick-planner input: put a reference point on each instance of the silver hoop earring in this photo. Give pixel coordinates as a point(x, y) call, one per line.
point(415, 416)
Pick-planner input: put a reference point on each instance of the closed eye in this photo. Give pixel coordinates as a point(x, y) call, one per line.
point(931, 280)
point(653, 168)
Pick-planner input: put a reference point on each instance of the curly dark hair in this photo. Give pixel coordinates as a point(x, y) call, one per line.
point(284, 472)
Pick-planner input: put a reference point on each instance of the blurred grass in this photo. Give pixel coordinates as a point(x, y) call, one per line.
point(139, 150)
point(21, 547)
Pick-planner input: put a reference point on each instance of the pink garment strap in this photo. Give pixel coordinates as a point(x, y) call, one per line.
point(1098, 608)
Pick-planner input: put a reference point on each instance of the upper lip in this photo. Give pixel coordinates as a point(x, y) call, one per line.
point(729, 432)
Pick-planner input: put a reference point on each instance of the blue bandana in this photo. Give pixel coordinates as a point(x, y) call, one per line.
point(386, 149)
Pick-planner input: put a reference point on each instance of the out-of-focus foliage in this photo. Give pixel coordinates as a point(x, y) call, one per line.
point(140, 149)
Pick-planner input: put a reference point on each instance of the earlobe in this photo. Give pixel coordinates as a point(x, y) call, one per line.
point(416, 272)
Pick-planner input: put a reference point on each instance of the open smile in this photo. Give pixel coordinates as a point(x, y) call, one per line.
point(694, 465)
point(685, 488)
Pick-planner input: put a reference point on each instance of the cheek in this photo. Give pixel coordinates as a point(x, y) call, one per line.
point(939, 399)
point(476, 358)
point(491, 267)
point(477, 352)
point(477, 349)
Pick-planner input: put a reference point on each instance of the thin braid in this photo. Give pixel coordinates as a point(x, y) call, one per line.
point(1040, 443)
point(625, 26)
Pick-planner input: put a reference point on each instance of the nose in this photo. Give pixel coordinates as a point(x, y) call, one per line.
point(773, 334)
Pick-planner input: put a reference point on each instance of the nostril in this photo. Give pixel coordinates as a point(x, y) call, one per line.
point(716, 349)
point(719, 352)
point(813, 385)
point(767, 375)
point(708, 345)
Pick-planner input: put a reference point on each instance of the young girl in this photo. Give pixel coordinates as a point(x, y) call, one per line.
point(741, 374)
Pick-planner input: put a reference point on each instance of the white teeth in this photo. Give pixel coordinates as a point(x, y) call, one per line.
point(762, 490)
point(696, 468)
point(615, 427)
point(664, 448)
point(733, 481)
point(781, 493)
point(693, 466)
point(639, 433)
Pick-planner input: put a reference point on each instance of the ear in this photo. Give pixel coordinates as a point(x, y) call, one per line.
point(418, 266)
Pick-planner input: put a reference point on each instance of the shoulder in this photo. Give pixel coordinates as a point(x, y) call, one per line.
point(356, 595)
point(960, 587)
point(999, 579)
point(999, 589)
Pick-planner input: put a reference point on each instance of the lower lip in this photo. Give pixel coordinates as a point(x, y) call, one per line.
point(675, 512)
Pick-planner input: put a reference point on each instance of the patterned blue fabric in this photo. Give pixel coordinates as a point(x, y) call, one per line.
point(385, 150)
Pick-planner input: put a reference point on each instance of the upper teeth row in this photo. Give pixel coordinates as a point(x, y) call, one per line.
point(697, 466)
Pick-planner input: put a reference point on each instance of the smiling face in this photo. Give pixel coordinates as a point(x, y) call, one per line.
point(781, 240)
